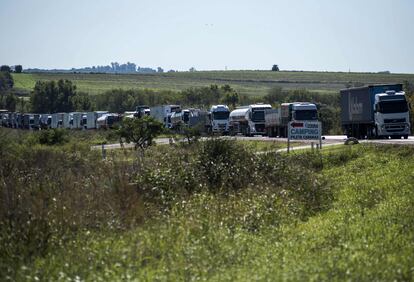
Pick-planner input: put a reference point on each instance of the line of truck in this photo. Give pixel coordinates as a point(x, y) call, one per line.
point(373, 111)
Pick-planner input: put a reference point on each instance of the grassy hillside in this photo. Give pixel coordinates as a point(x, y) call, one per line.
point(245, 82)
point(212, 211)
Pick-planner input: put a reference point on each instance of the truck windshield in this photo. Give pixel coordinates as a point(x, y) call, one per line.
point(221, 115)
point(258, 116)
point(306, 115)
point(389, 107)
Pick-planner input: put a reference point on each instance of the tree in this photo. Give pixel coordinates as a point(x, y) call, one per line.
point(159, 69)
point(231, 98)
point(81, 102)
point(6, 81)
point(53, 97)
point(140, 131)
point(275, 95)
point(275, 68)
point(11, 102)
point(5, 68)
point(230, 95)
point(192, 69)
point(18, 68)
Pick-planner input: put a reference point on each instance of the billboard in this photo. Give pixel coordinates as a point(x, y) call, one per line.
point(304, 130)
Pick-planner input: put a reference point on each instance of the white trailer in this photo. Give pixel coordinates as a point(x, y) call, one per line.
point(89, 120)
point(60, 120)
point(75, 120)
point(163, 113)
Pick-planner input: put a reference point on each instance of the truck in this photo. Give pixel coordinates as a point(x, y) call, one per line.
point(142, 110)
point(219, 119)
point(163, 113)
point(60, 120)
point(107, 121)
point(277, 120)
point(89, 120)
point(249, 120)
point(375, 111)
point(75, 120)
point(192, 118)
point(180, 118)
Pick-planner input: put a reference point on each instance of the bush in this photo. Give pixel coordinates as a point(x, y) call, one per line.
point(48, 195)
point(55, 136)
point(225, 165)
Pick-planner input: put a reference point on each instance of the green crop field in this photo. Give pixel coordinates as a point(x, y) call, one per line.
point(245, 82)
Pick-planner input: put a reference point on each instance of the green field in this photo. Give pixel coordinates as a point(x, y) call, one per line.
point(245, 82)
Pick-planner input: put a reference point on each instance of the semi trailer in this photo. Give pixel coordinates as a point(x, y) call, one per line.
point(249, 120)
point(375, 111)
point(277, 120)
point(163, 113)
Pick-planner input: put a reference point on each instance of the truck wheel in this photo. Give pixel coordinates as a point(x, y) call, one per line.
point(405, 136)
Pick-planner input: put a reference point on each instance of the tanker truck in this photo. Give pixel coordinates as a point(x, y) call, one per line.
point(375, 111)
point(249, 120)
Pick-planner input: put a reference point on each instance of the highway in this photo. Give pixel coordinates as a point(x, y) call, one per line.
point(328, 140)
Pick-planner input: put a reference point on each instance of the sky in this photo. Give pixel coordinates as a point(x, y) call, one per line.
point(314, 35)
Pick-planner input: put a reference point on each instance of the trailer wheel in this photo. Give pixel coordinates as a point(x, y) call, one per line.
point(405, 136)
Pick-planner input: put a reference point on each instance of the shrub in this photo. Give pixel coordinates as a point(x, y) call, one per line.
point(55, 136)
point(225, 164)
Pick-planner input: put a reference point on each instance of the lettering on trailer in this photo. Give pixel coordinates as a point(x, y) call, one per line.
point(306, 130)
point(355, 108)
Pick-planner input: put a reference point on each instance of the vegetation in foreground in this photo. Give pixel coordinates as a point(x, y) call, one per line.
point(208, 211)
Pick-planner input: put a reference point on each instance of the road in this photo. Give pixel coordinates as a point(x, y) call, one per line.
point(329, 140)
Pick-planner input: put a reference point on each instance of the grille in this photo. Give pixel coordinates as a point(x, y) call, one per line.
point(260, 127)
point(395, 120)
point(395, 128)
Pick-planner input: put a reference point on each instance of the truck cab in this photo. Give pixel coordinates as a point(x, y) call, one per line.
point(256, 119)
point(391, 115)
point(304, 111)
point(219, 119)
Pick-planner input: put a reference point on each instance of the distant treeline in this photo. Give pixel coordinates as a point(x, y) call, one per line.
point(115, 67)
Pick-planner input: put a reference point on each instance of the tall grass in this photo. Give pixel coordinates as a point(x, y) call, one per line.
point(209, 211)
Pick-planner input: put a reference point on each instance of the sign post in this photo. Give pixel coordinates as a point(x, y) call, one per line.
point(305, 131)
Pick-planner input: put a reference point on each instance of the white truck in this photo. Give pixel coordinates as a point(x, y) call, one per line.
point(75, 120)
point(277, 120)
point(60, 120)
point(249, 120)
point(163, 113)
point(219, 119)
point(375, 111)
point(89, 120)
point(108, 120)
